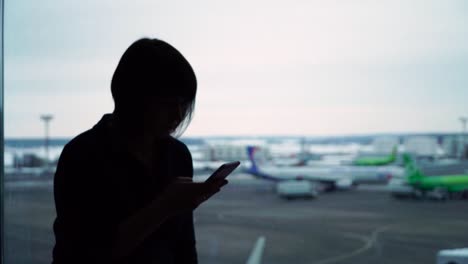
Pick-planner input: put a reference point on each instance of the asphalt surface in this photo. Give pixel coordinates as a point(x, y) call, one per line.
point(359, 226)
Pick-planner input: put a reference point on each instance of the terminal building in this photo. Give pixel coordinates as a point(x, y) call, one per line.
point(455, 146)
point(227, 152)
point(385, 145)
point(234, 150)
point(423, 146)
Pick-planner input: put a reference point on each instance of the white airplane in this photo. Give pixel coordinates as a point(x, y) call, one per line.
point(326, 175)
point(329, 177)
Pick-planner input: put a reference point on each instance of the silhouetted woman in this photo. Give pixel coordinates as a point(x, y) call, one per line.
point(123, 189)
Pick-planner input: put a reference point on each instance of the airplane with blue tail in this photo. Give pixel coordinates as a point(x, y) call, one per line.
point(326, 175)
point(329, 177)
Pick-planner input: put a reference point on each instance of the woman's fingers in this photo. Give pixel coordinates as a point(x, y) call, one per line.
point(184, 179)
point(218, 183)
point(191, 194)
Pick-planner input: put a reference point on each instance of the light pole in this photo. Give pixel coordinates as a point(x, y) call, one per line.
point(463, 120)
point(46, 119)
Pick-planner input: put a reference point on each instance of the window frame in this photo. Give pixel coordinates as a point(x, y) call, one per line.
point(2, 154)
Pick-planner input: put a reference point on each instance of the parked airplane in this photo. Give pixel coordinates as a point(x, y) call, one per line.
point(325, 176)
point(376, 161)
point(419, 185)
point(329, 177)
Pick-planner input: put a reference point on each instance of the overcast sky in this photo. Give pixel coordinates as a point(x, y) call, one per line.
point(263, 67)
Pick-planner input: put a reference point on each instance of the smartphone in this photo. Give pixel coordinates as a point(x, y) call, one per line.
point(223, 171)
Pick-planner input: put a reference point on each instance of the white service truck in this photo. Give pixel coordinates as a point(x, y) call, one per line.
point(296, 189)
point(453, 256)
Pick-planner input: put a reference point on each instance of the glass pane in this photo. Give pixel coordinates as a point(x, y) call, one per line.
point(1, 132)
point(349, 119)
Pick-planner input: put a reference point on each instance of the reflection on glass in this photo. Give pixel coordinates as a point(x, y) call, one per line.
point(348, 120)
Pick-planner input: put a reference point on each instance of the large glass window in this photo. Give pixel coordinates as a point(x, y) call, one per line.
point(1, 132)
point(349, 118)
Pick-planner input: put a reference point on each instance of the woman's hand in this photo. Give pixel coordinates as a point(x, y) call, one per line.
point(182, 194)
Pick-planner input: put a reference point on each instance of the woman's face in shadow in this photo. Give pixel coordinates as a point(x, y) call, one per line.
point(162, 115)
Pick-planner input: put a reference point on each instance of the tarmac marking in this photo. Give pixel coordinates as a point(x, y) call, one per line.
point(369, 243)
point(257, 251)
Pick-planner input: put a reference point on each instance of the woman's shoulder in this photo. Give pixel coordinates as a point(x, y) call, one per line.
point(181, 159)
point(178, 147)
point(92, 140)
point(86, 147)
point(84, 142)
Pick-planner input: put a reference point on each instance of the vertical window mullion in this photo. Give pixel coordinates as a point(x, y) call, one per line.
point(2, 244)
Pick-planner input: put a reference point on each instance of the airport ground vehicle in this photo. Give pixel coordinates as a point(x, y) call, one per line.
point(453, 256)
point(296, 189)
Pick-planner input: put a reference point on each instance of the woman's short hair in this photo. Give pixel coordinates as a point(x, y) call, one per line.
point(153, 68)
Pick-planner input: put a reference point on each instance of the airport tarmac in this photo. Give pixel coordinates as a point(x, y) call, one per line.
point(358, 226)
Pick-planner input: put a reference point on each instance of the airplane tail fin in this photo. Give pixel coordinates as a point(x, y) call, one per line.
point(254, 168)
point(413, 173)
point(394, 152)
point(251, 155)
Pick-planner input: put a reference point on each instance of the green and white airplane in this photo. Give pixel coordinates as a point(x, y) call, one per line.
point(376, 161)
point(420, 185)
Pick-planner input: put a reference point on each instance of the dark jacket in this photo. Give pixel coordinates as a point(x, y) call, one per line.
point(97, 186)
